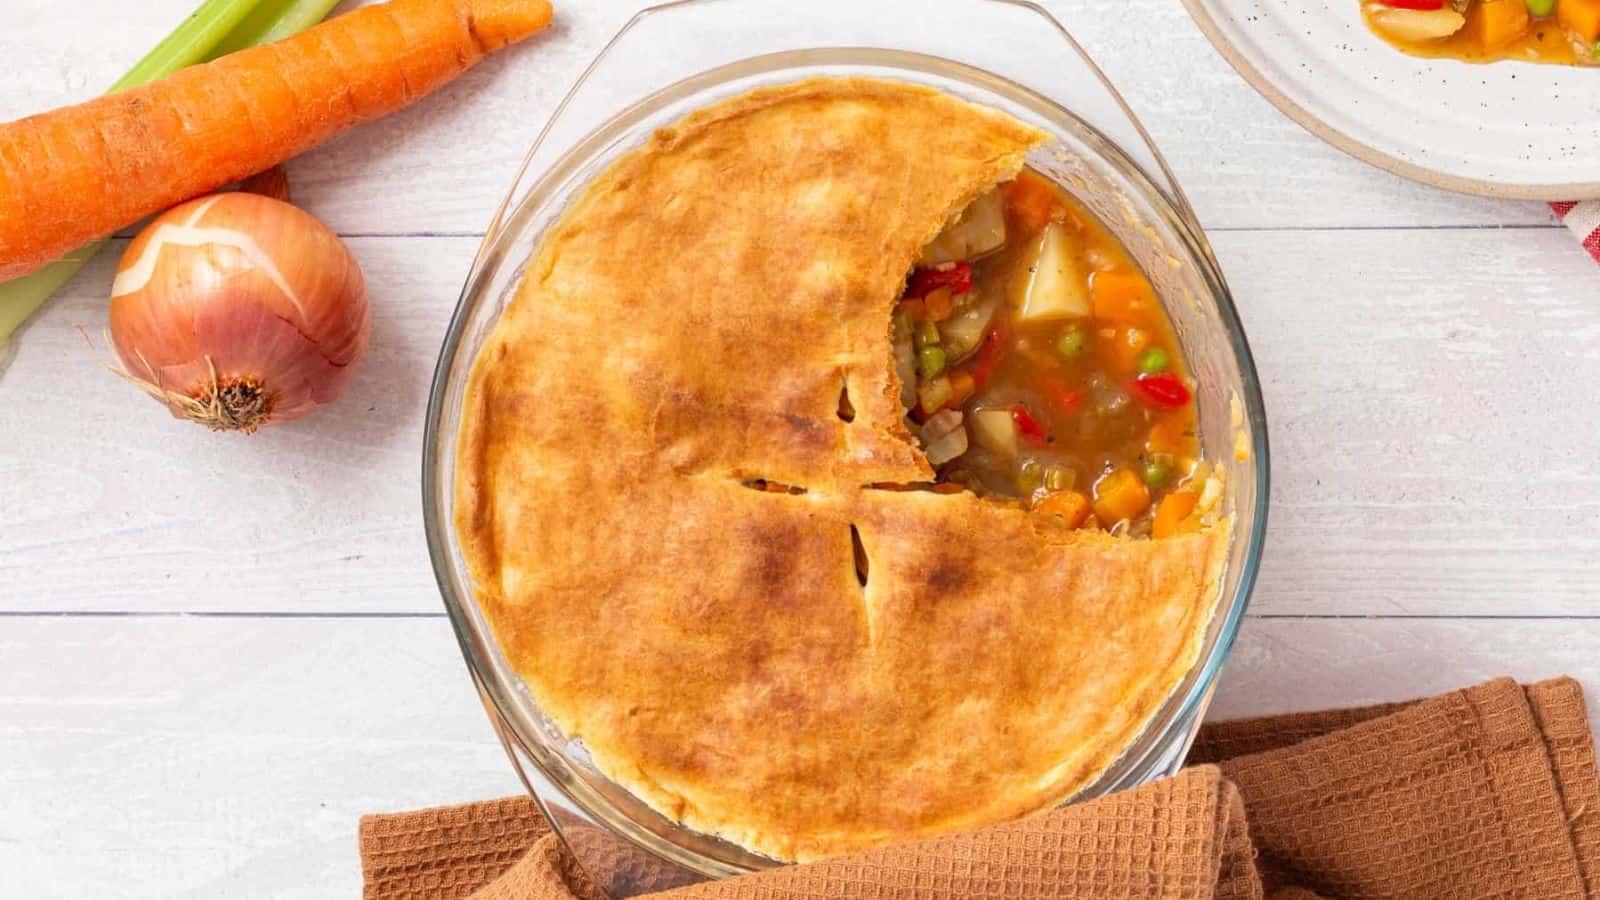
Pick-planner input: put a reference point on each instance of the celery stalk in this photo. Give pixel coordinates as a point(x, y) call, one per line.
point(21, 296)
point(275, 21)
point(218, 27)
point(190, 42)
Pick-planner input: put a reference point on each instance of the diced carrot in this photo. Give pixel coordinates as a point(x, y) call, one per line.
point(1031, 200)
point(1494, 23)
point(1581, 16)
point(1120, 495)
point(1121, 353)
point(1167, 435)
point(962, 387)
point(1071, 506)
point(1172, 514)
point(914, 309)
point(937, 304)
point(1121, 296)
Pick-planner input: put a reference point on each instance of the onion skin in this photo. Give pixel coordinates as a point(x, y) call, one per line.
point(239, 310)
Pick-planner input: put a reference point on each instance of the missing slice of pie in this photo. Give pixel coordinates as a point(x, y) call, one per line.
point(710, 491)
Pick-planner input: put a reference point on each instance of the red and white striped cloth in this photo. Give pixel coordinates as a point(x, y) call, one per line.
point(1584, 220)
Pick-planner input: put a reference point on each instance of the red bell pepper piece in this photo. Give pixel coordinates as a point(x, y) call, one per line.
point(1027, 425)
point(923, 281)
point(1162, 389)
point(1414, 4)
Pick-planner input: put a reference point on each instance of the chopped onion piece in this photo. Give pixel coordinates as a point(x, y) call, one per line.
point(979, 229)
point(1109, 399)
point(964, 331)
point(944, 438)
point(1415, 25)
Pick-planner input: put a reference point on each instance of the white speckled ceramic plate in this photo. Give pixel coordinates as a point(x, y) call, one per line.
point(1504, 129)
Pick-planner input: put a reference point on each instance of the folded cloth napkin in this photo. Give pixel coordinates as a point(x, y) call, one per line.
point(1584, 221)
point(1489, 791)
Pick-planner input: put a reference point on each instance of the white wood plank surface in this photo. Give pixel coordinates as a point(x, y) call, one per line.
point(275, 665)
point(443, 166)
point(202, 757)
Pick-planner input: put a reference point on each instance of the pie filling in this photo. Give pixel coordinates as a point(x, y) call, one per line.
point(1545, 31)
point(1037, 367)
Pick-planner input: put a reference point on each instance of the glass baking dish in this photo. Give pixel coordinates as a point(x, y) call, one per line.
point(671, 59)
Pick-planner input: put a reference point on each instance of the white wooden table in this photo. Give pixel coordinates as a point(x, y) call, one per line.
point(217, 652)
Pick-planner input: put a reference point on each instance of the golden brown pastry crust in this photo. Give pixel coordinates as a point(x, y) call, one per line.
point(687, 325)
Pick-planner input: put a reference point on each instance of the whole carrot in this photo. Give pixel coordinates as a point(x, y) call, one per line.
point(80, 172)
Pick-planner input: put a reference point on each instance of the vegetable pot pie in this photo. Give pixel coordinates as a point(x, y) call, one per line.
point(698, 494)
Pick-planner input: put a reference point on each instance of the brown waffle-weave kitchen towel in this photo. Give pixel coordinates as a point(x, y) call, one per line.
point(1489, 791)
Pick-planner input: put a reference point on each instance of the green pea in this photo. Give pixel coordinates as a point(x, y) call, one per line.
point(1156, 473)
point(1071, 343)
point(931, 362)
point(1541, 8)
point(927, 333)
point(1154, 360)
point(1030, 477)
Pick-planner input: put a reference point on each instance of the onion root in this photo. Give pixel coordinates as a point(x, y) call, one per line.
point(234, 404)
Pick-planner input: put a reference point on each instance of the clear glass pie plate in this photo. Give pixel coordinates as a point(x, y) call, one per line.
point(675, 58)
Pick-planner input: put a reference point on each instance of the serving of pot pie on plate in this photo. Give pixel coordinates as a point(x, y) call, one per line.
point(833, 477)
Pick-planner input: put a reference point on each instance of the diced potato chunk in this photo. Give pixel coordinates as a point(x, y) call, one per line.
point(1050, 283)
point(1416, 24)
point(995, 431)
point(980, 228)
